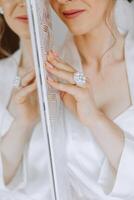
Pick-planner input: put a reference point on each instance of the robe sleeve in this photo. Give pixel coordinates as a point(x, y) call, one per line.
point(19, 180)
point(120, 184)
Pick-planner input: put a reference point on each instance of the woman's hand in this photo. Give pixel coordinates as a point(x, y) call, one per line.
point(80, 100)
point(24, 108)
point(24, 101)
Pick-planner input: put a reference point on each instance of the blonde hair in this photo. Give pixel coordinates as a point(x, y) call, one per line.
point(9, 41)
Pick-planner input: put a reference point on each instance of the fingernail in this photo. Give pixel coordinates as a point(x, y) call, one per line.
point(50, 56)
point(55, 53)
point(49, 65)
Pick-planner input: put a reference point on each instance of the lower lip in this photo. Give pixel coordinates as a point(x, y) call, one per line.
point(73, 15)
point(24, 20)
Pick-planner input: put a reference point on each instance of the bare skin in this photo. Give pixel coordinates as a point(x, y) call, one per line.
point(23, 104)
point(106, 93)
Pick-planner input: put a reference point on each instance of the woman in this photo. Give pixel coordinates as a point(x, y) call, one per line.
point(21, 136)
point(88, 158)
point(101, 45)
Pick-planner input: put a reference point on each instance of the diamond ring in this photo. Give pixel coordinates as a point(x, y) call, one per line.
point(17, 82)
point(79, 78)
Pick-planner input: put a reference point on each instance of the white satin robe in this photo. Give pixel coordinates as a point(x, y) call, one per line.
point(30, 181)
point(90, 174)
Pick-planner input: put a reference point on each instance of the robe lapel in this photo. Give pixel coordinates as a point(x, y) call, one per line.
point(8, 71)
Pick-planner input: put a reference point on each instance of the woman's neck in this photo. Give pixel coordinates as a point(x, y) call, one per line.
point(93, 46)
point(27, 54)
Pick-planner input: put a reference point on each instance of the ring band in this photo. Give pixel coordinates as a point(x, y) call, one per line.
point(79, 78)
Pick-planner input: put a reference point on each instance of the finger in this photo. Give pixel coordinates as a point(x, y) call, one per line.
point(64, 75)
point(73, 90)
point(58, 63)
point(54, 56)
point(25, 92)
point(28, 78)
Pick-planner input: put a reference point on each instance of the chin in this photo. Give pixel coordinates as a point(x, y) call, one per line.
point(78, 30)
point(23, 35)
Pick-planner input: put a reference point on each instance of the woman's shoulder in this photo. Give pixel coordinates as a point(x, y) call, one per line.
point(8, 70)
point(129, 59)
point(8, 66)
point(124, 16)
point(10, 60)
